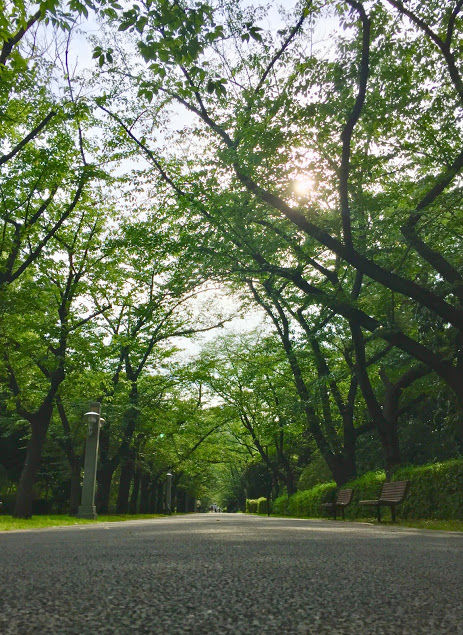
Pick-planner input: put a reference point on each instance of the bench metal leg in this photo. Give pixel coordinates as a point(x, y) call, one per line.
point(379, 513)
point(393, 513)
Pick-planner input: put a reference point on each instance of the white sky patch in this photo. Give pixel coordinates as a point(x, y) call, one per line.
point(220, 304)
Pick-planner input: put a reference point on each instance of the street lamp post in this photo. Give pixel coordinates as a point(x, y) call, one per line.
point(87, 507)
point(169, 492)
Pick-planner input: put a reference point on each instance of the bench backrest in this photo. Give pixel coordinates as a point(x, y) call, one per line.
point(394, 491)
point(344, 496)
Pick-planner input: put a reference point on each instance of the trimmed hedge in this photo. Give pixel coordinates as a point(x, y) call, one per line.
point(436, 492)
point(262, 505)
point(256, 505)
point(367, 486)
point(251, 506)
point(306, 502)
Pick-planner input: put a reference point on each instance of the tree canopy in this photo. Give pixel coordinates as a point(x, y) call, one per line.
point(228, 148)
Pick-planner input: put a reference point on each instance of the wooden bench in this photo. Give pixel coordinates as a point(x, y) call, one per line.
point(391, 495)
point(344, 498)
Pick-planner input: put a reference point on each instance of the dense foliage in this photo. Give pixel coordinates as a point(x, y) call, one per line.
point(218, 161)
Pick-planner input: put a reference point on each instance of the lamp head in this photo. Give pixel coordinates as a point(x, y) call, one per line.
point(93, 420)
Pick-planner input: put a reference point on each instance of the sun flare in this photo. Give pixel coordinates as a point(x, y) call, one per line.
point(303, 186)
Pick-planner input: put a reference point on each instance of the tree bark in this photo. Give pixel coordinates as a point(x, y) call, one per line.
point(23, 504)
point(144, 493)
point(126, 453)
point(387, 430)
point(104, 487)
point(153, 497)
point(127, 471)
point(75, 493)
point(133, 505)
point(341, 464)
point(158, 498)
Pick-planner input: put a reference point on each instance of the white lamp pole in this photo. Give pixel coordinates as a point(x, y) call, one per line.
point(169, 492)
point(87, 508)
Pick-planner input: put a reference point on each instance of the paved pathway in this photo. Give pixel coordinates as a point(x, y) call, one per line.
point(219, 573)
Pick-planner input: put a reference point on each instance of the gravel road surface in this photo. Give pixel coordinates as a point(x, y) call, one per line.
point(225, 573)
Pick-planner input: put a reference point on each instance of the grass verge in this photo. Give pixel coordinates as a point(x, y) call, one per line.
point(7, 523)
point(437, 525)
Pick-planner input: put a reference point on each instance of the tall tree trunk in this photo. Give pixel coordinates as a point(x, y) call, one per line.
point(75, 493)
point(127, 470)
point(153, 497)
point(390, 433)
point(342, 467)
point(349, 463)
point(387, 431)
point(75, 461)
point(23, 505)
point(144, 493)
point(174, 494)
point(133, 505)
point(157, 506)
point(126, 453)
point(391, 411)
point(104, 487)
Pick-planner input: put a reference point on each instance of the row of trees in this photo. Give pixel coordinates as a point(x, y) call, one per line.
point(369, 262)
point(94, 286)
point(359, 276)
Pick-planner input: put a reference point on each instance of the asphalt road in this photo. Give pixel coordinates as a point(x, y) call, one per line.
point(225, 573)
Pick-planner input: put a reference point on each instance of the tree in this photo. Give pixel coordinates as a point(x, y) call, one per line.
point(250, 112)
point(250, 374)
point(151, 304)
point(38, 334)
point(42, 145)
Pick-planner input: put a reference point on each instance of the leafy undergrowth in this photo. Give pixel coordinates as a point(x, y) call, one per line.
point(8, 523)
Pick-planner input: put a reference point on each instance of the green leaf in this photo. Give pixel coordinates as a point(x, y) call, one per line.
point(141, 23)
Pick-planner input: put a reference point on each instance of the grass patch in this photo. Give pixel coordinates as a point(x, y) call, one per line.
point(437, 525)
point(7, 523)
point(440, 525)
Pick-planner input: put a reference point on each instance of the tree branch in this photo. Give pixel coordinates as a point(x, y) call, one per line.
point(346, 135)
point(29, 137)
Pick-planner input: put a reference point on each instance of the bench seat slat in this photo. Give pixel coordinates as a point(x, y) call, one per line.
point(343, 499)
point(392, 494)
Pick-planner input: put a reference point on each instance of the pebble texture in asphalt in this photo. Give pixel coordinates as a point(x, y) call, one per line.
point(225, 573)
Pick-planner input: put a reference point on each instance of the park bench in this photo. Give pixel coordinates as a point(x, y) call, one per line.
point(344, 498)
point(391, 495)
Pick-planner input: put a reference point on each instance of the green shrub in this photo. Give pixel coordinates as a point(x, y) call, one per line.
point(368, 486)
point(262, 506)
point(436, 492)
point(251, 506)
point(316, 472)
point(280, 505)
point(304, 503)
